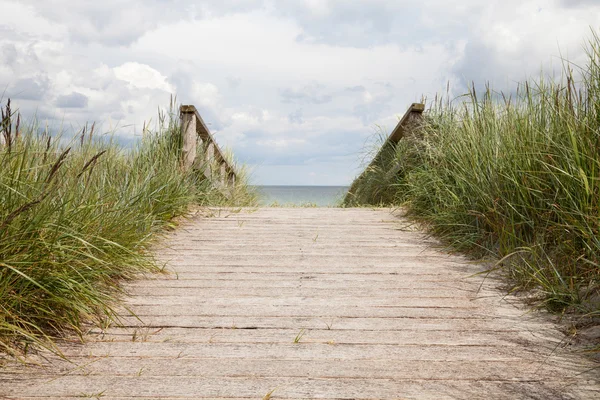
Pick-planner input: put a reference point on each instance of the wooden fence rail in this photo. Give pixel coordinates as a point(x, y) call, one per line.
point(409, 120)
point(212, 160)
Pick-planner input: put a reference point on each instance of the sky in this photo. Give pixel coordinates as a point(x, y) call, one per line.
point(297, 89)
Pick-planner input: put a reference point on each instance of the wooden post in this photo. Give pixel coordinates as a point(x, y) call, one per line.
point(189, 139)
point(223, 173)
point(209, 159)
point(193, 129)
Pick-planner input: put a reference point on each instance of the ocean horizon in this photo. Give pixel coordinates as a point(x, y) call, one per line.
point(301, 195)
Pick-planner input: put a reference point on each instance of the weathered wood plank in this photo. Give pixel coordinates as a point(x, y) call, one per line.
point(407, 370)
point(333, 278)
point(508, 336)
point(302, 295)
point(295, 388)
point(319, 322)
point(385, 284)
point(308, 351)
point(379, 312)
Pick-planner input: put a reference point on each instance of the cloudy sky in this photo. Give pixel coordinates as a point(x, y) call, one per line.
point(295, 87)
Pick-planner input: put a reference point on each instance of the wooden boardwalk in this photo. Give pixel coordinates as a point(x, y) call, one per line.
point(310, 303)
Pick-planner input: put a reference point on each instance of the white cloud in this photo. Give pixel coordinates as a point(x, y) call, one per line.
point(22, 20)
point(205, 93)
point(318, 7)
point(513, 40)
point(142, 76)
point(293, 86)
point(112, 22)
point(280, 143)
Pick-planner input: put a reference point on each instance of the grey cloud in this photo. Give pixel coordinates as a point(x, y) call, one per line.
point(331, 145)
point(348, 23)
point(40, 75)
point(22, 60)
point(387, 85)
point(182, 79)
point(118, 116)
point(8, 54)
point(371, 112)
point(111, 22)
point(309, 94)
point(29, 88)
point(482, 65)
point(358, 88)
point(234, 82)
point(381, 96)
point(355, 23)
point(252, 134)
point(224, 7)
point(73, 100)
point(296, 117)
point(118, 23)
point(486, 62)
point(579, 3)
point(476, 65)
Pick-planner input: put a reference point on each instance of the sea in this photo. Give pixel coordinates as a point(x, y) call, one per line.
point(319, 196)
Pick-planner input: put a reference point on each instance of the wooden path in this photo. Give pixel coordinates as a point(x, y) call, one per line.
point(312, 303)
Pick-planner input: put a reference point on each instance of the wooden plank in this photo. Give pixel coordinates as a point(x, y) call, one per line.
point(381, 279)
point(463, 370)
point(320, 322)
point(307, 351)
point(306, 296)
point(328, 282)
point(290, 388)
point(509, 336)
point(414, 111)
point(259, 310)
point(377, 311)
point(305, 265)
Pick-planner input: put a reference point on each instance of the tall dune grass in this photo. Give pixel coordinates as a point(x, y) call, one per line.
point(516, 177)
point(76, 218)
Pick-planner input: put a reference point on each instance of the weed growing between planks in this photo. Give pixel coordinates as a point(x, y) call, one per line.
point(78, 217)
point(516, 177)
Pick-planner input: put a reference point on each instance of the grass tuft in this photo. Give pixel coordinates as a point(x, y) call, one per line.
point(516, 177)
point(78, 216)
point(299, 336)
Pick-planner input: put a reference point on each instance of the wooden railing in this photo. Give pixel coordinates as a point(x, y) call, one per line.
point(214, 163)
point(408, 122)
